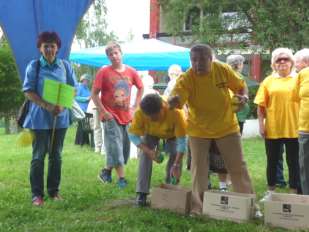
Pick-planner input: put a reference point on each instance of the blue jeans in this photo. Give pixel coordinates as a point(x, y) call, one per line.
point(303, 140)
point(117, 143)
point(279, 174)
point(41, 146)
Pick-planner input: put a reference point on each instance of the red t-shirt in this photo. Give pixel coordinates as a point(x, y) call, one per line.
point(115, 90)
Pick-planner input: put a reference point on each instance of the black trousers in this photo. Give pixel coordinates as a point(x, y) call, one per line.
point(273, 152)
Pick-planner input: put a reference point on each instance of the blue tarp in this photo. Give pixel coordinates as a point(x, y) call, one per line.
point(150, 54)
point(23, 20)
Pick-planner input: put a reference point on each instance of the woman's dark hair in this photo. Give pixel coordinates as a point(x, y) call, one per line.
point(151, 104)
point(48, 37)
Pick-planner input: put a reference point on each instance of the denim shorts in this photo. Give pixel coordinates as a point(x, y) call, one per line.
point(117, 143)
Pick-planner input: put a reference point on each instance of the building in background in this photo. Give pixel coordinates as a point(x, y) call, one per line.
point(157, 29)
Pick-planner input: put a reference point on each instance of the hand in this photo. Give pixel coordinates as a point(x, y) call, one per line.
point(105, 116)
point(153, 155)
point(57, 110)
point(241, 101)
point(54, 109)
point(174, 102)
point(175, 171)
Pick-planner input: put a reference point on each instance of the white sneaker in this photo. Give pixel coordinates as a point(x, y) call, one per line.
point(267, 196)
point(257, 212)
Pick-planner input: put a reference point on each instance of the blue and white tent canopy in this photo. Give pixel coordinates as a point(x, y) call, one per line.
point(148, 54)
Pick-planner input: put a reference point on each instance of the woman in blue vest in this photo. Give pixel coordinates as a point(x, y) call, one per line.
point(41, 116)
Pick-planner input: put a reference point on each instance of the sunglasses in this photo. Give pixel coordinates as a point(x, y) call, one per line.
point(284, 59)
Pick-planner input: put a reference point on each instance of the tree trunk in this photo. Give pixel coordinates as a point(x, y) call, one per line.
point(7, 124)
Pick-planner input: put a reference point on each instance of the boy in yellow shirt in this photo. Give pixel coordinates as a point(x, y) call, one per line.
point(151, 122)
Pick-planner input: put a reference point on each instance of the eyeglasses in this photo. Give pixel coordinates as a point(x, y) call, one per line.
point(49, 46)
point(284, 59)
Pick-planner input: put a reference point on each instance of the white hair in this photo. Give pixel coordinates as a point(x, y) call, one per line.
point(279, 51)
point(302, 55)
point(174, 68)
point(235, 60)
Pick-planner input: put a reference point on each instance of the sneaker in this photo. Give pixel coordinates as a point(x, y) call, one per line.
point(257, 212)
point(141, 199)
point(56, 197)
point(37, 201)
point(105, 176)
point(122, 182)
point(267, 196)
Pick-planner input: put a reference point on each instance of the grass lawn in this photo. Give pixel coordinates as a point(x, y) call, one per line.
point(90, 205)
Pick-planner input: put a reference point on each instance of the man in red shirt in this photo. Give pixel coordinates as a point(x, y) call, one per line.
point(115, 82)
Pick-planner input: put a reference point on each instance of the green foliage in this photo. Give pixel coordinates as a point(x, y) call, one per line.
point(269, 24)
point(11, 96)
point(91, 32)
point(92, 206)
point(92, 28)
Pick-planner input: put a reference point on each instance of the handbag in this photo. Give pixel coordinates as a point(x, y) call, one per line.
point(76, 113)
point(22, 113)
point(24, 109)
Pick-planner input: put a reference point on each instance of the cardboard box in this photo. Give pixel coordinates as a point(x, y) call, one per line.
point(172, 197)
point(231, 206)
point(289, 211)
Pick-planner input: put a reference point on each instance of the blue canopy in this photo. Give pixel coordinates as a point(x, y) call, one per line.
point(23, 20)
point(148, 54)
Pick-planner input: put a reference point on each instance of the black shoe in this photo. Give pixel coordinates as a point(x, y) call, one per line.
point(141, 199)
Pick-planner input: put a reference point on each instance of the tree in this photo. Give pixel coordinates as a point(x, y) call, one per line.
point(91, 32)
point(92, 28)
point(224, 23)
point(11, 95)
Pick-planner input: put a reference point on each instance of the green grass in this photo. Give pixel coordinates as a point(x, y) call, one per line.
point(90, 205)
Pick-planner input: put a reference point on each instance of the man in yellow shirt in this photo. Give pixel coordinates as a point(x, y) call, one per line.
point(300, 94)
point(205, 89)
point(151, 122)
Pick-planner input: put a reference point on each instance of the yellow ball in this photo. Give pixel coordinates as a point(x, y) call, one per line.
point(25, 138)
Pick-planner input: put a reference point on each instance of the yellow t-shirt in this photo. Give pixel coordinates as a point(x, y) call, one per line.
point(300, 93)
point(172, 124)
point(210, 112)
point(281, 112)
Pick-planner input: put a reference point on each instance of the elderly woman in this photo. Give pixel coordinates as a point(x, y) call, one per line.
point(278, 118)
point(40, 118)
point(237, 63)
point(174, 72)
point(300, 94)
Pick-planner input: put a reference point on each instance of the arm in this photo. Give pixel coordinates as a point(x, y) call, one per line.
point(32, 96)
point(137, 141)
point(181, 148)
point(139, 95)
point(104, 114)
point(180, 92)
point(261, 112)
